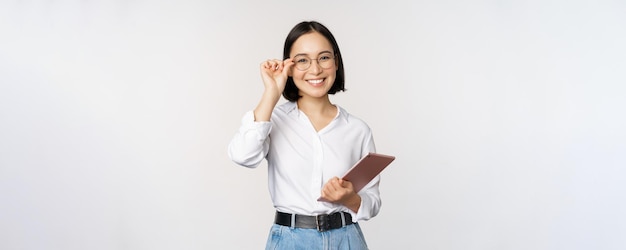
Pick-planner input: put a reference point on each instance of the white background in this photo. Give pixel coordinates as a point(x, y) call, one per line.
point(507, 119)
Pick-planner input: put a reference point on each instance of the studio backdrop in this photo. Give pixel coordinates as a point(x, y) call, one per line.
point(506, 118)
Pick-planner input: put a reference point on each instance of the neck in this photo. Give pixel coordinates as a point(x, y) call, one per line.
point(315, 105)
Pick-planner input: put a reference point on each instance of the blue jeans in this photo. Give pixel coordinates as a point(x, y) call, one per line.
point(287, 238)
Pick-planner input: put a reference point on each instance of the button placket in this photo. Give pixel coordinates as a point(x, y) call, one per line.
point(318, 158)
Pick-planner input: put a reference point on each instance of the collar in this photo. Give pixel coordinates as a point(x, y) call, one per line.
point(291, 108)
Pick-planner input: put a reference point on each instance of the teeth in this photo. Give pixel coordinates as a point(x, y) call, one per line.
point(316, 81)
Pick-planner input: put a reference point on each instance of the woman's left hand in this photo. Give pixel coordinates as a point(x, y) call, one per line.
point(340, 191)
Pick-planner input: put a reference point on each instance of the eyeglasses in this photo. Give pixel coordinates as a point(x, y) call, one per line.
point(324, 60)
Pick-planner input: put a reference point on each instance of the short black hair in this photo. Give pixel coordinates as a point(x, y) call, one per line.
point(291, 92)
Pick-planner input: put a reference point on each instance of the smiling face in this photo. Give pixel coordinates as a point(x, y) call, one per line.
point(316, 81)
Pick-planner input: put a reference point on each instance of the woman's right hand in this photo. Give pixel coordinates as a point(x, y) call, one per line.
point(275, 73)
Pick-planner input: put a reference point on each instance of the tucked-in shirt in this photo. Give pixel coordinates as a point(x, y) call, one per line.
point(301, 160)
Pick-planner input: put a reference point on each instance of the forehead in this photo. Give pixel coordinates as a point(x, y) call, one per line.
point(311, 44)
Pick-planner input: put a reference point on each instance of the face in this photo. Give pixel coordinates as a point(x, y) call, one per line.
point(318, 78)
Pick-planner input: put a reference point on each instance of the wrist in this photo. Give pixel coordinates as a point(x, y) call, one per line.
point(354, 203)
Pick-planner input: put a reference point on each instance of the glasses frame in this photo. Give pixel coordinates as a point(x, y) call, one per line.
point(333, 56)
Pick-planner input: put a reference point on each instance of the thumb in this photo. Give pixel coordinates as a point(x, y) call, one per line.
point(287, 66)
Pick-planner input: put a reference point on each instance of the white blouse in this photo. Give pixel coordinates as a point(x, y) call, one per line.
point(301, 160)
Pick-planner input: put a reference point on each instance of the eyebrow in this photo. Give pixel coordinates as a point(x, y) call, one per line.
point(322, 52)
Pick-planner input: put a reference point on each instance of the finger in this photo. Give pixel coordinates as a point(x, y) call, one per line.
point(337, 181)
point(325, 193)
point(288, 62)
point(277, 64)
point(345, 184)
point(288, 65)
point(335, 184)
point(348, 186)
point(328, 188)
point(271, 64)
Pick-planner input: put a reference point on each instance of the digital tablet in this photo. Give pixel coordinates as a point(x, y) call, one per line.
point(366, 169)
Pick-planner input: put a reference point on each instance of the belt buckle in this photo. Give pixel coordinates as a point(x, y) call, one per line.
point(322, 222)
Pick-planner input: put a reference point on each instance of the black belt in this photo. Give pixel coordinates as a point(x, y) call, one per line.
point(322, 222)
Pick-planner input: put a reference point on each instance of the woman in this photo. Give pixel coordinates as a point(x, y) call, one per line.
point(308, 142)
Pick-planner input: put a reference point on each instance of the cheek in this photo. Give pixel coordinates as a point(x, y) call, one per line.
point(297, 74)
point(332, 72)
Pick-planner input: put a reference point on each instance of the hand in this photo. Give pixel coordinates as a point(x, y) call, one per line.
point(275, 73)
point(340, 191)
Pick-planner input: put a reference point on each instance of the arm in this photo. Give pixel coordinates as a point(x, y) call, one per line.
point(365, 204)
point(370, 194)
point(274, 74)
point(370, 201)
point(251, 142)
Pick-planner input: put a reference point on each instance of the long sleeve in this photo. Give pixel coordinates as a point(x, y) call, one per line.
point(370, 201)
point(250, 144)
point(370, 194)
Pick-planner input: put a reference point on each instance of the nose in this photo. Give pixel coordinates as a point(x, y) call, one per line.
point(315, 67)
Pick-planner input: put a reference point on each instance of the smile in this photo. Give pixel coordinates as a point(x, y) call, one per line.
point(315, 81)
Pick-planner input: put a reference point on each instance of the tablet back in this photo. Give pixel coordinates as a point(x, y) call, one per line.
point(366, 169)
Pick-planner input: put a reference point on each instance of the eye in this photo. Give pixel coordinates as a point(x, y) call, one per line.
point(302, 60)
point(324, 58)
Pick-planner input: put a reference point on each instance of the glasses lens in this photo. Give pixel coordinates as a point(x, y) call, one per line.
point(325, 60)
point(302, 62)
